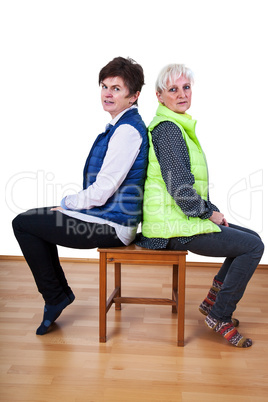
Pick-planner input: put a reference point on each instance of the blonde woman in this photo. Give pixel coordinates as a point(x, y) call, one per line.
point(177, 212)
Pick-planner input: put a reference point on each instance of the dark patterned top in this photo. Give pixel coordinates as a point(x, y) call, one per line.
point(174, 161)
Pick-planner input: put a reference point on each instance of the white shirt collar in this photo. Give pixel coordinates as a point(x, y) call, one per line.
point(115, 120)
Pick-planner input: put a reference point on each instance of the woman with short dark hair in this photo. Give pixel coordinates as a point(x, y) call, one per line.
point(107, 211)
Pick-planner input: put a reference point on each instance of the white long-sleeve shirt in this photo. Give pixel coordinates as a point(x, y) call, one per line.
point(123, 149)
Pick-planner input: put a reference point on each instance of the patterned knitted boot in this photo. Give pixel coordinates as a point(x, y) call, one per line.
point(208, 302)
point(229, 332)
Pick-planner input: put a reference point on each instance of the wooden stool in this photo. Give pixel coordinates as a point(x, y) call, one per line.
point(142, 256)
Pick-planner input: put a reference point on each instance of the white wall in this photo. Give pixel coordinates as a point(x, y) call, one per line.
point(51, 53)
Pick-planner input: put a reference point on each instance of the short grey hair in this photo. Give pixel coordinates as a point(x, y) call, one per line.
point(170, 72)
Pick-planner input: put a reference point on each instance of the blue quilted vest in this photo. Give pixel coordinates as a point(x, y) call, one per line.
point(125, 205)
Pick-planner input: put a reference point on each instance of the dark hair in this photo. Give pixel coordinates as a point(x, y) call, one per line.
point(130, 71)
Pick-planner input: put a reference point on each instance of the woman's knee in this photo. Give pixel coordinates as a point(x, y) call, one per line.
point(257, 248)
point(255, 234)
point(16, 222)
point(20, 221)
point(260, 246)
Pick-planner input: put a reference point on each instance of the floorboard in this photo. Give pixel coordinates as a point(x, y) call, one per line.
point(140, 361)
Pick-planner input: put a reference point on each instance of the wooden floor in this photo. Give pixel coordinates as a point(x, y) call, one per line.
point(140, 361)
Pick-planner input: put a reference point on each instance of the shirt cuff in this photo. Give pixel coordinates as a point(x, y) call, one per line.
point(209, 211)
point(62, 204)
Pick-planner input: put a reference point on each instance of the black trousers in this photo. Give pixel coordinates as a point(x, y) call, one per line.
point(39, 231)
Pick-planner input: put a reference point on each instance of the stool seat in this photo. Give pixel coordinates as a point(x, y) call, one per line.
point(135, 255)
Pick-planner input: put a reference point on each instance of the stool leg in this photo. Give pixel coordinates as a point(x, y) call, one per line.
point(117, 282)
point(175, 288)
point(181, 300)
point(102, 297)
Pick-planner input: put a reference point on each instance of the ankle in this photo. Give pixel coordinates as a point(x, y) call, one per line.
point(216, 284)
point(228, 331)
point(51, 313)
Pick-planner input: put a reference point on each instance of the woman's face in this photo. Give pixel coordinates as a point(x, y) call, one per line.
point(178, 95)
point(115, 96)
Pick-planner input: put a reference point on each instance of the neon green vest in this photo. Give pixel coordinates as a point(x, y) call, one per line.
point(162, 217)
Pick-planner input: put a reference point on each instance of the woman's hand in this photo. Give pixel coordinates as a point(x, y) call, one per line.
point(218, 218)
point(57, 209)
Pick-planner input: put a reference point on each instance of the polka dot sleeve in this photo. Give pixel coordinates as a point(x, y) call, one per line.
point(173, 158)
